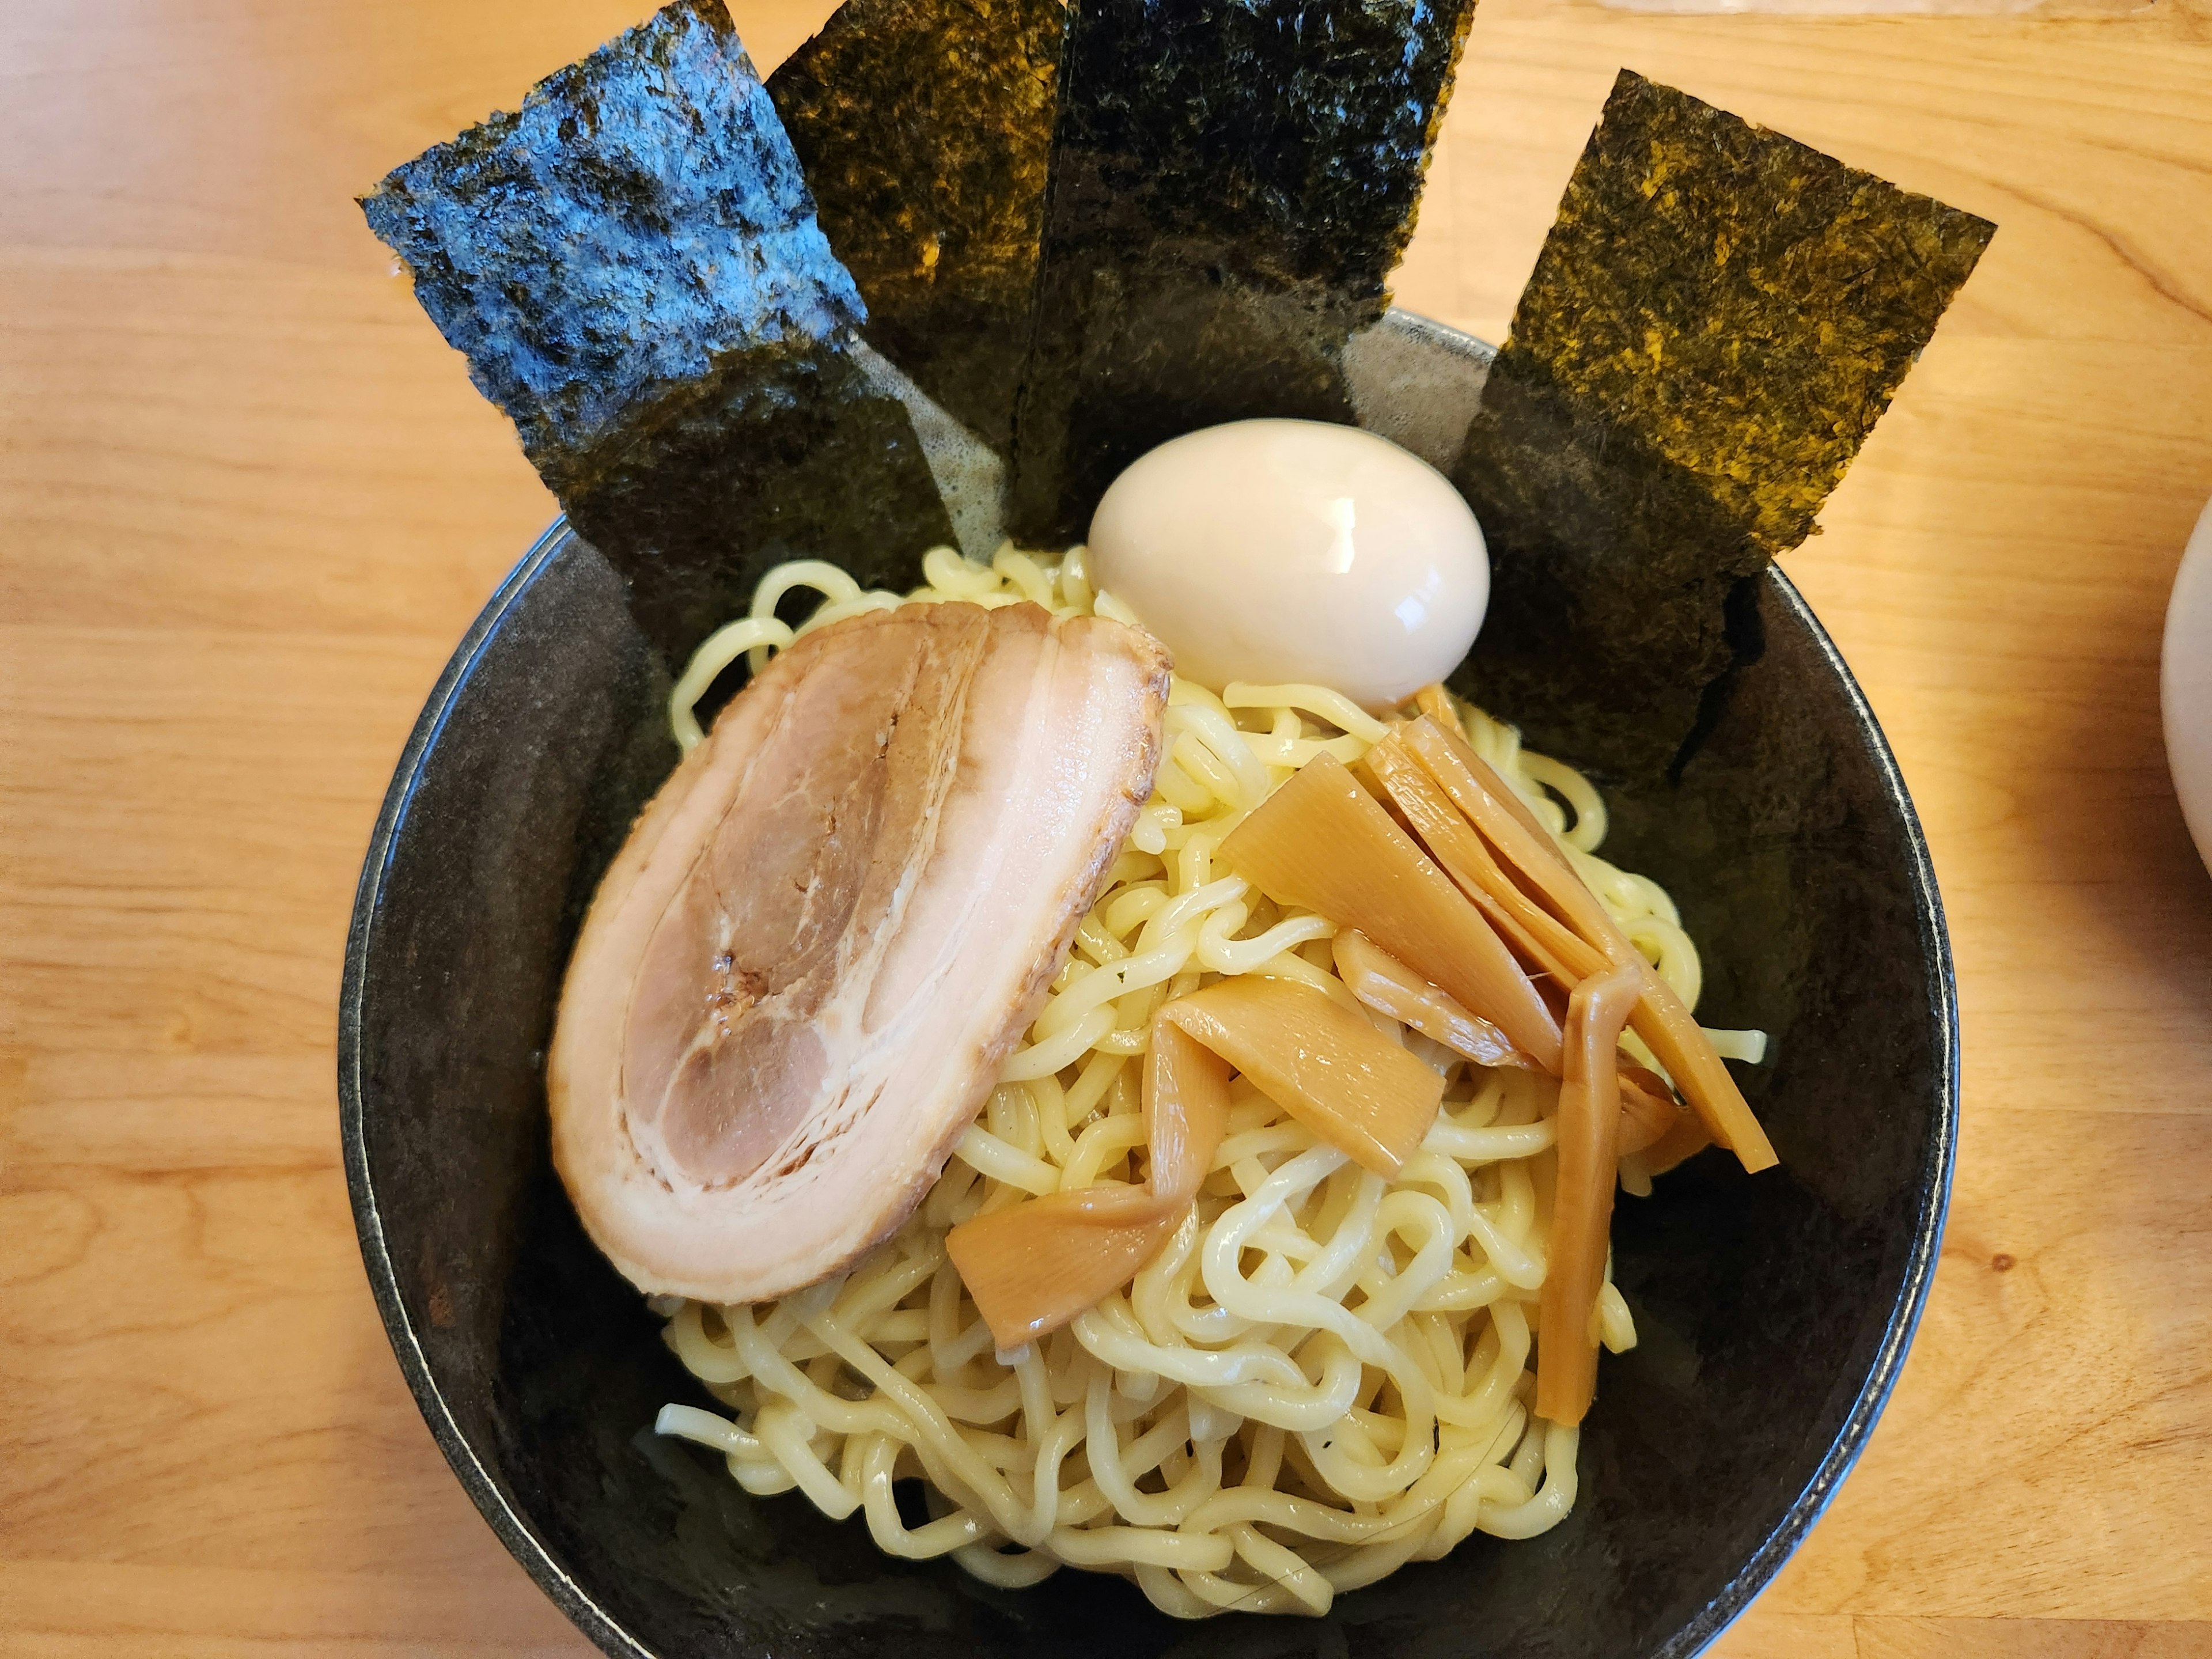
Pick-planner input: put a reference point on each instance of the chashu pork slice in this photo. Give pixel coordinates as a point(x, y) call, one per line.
point(799, 980)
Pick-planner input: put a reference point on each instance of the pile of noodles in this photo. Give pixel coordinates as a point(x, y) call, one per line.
point(1324, 1374)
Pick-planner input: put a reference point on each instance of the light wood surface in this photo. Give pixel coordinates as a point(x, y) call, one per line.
point(248, 500)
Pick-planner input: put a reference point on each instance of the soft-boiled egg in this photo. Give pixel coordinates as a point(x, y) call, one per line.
point(1296, 551)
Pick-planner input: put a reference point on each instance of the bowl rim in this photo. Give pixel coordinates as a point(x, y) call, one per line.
point(522, 1541)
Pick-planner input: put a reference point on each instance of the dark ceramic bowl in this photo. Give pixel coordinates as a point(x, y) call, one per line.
point(1774, 1310)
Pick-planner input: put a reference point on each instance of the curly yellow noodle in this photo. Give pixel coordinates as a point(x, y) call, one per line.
point(1324, 1374)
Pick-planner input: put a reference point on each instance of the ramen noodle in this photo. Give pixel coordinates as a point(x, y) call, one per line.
point(1324, 1374)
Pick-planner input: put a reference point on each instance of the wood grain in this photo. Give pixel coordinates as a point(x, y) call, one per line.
point(248, 500)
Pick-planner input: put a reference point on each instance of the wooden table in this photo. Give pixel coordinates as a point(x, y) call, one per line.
point(248, 500)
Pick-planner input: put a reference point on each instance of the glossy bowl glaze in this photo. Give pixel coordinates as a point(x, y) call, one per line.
point(1774, 1310)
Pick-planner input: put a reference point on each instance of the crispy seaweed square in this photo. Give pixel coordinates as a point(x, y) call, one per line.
point(631, 265)
point(925, 127)
point(1717, 318)
point(1232, 181)
point(639, 216)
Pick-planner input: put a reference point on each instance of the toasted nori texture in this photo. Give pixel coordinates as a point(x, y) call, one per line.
point(1232, 180)
point(925, 127)
point(1718, 317)
point(631, 264)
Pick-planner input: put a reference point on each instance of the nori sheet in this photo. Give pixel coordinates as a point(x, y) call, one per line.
point(1717, 319)
point(925, 127)
point(1232, 181)
point(630, 262)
